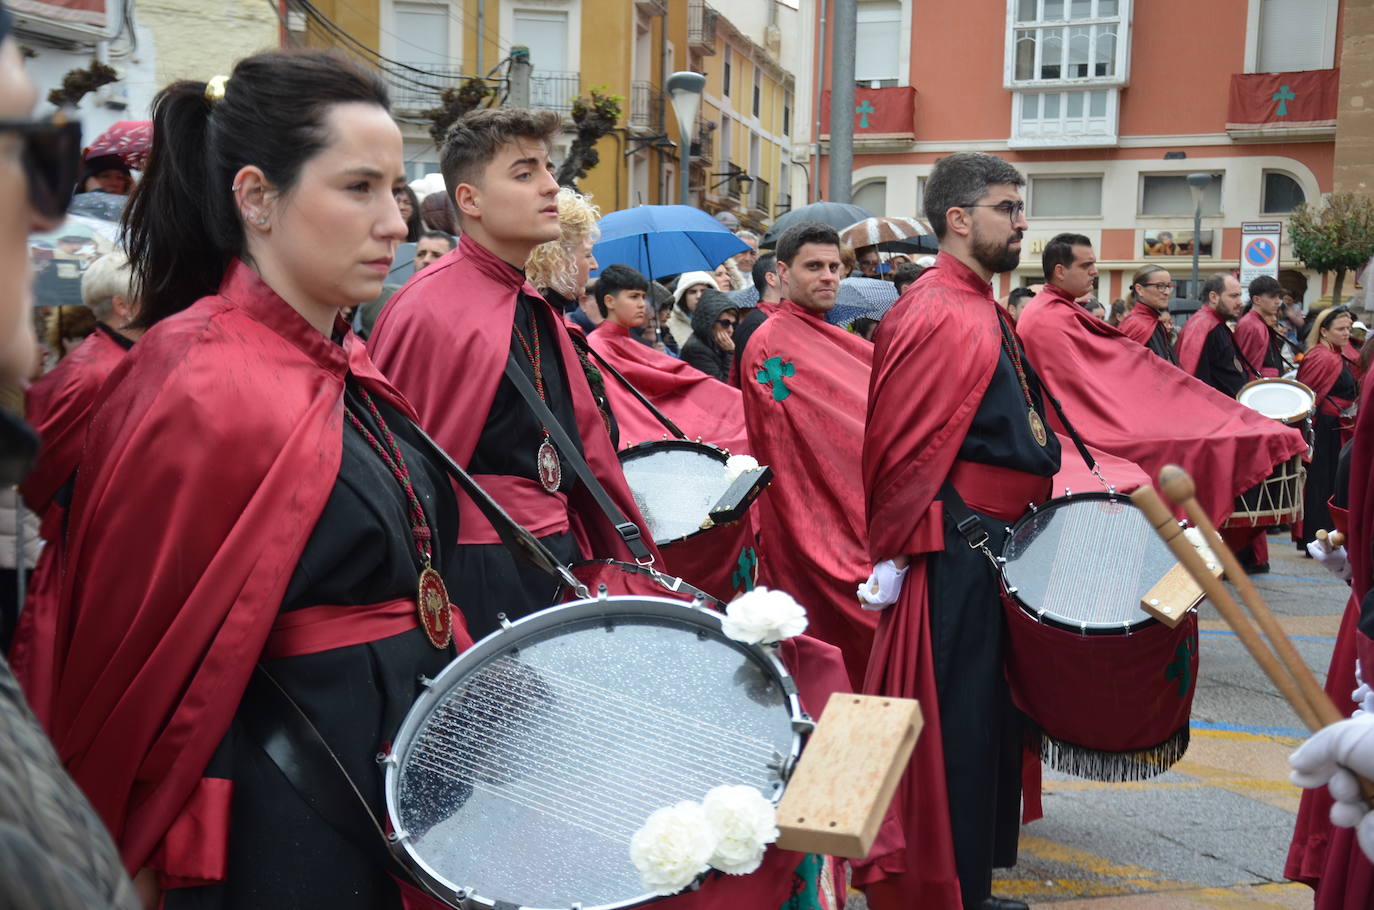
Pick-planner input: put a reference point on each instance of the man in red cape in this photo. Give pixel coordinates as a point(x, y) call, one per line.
point(444, 340)
point(1206, 347)
point(977, 422)
point(1125, 400)
point(702, 407)
point(805, 388)
point(1256, 335)
point(58, 404)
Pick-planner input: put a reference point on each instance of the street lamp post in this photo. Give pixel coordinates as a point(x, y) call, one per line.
point(1197, 185)
point(684, 91)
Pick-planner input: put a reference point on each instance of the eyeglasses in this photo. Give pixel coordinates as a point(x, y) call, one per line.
point(51, 159)
point(726, 323)
point(1013, 210)
point(1158, 285)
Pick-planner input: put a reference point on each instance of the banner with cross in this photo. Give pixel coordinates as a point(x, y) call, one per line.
point(879, 113)
point(1304, 100)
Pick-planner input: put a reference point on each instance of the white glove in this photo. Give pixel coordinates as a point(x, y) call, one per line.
point(883, 587)
point(1334, 561)
point(1363, 694)
point(1333, 756)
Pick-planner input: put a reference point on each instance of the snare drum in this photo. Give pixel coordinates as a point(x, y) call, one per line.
point(1110, 688)
point(1278, 498)
point(521, 773)
point(693, 511)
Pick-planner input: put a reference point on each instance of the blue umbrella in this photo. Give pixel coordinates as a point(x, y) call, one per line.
point(661, 240)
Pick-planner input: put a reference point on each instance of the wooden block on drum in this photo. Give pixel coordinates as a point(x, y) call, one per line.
point(841, 787)
point(1173, 595)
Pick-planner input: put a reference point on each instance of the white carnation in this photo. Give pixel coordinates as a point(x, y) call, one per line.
point(1195, 537)
point(672, 848)
point(736, 465)
point(763, 617)
point(743, 823)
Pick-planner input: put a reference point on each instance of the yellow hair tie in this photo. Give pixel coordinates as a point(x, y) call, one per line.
point(214, 89)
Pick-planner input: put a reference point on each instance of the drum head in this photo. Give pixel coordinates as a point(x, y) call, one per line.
point(521, 774)
point(1083, 562)
point(1285, 400)
point(675, 483)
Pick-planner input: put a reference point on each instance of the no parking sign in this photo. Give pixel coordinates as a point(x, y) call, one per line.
point(1259, 249)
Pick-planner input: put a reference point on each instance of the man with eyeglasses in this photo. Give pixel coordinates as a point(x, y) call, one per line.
point(956, 414)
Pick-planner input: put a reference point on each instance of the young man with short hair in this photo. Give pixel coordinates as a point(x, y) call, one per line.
point(621, 295)
point(1258, 334)
point(444, 340)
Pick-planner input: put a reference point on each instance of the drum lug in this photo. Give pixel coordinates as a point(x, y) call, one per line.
point(424, 681)
point(503, 620)
point(1012, 590)
point(386, 759)
point(602, 593)
point(396, 837)
point(1032, 508)
point(803, 725)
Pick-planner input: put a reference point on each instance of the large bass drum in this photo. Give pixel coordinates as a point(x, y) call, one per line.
point(521, 773)
point(1110, 687)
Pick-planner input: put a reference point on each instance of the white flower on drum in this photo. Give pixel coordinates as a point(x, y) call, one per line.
point(763, 617)
point(1195, 538)
point(736, 465)
point(744, 823)
point(672, 848)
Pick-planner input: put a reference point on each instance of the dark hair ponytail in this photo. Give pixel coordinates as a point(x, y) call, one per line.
point(182, 226)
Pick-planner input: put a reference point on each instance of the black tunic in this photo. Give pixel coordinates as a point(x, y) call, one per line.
point(281, 853)
point(491, 579)
point(1161, 344)
point(983, 732)
point(1220, 365)
point(1326, 450)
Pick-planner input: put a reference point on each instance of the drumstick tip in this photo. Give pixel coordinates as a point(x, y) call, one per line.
point(1176, 484)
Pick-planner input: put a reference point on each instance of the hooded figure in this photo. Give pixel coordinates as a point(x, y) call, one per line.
point(107, 173)
point(680, 323)
point(711, 347)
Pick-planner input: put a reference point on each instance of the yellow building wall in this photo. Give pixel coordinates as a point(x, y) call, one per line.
point(200, 39)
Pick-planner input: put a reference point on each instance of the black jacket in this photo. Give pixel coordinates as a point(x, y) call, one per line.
point(700, 350)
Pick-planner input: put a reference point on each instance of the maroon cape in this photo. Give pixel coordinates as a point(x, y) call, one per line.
point(703, 407)
point(1125, 400)
point(58, 405)
point(921, 405)
point(1193, 336)
point(805, 394)
point(1319, 370)
point(1139, 324)
point(1252, 340)
point(443, 339)
point(184, 532)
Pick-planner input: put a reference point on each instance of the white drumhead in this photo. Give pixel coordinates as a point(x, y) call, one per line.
point(1281, 399)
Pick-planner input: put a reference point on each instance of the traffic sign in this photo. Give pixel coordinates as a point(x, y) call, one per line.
point(1259, 249)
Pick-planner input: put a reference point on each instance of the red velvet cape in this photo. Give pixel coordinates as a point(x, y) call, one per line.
point(210, 456)
point(1125, 400)
point(443, 340)
point(702, 406)
point(805, 385)
point(1252, 340)
point(1319, 370)
point(921, 405)
point(1139, 324)
point(58, 405)
point(1193, 337)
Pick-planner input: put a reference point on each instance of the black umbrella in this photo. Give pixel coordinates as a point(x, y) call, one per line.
point(838, 215)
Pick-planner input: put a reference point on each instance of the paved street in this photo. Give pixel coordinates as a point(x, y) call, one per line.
point(1213, 831)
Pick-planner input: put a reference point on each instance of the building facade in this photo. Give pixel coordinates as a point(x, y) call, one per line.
point(1107, 106)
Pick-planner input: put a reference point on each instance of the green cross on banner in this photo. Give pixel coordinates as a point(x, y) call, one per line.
point(743, 578)
point(774, 371)
point(1181, 668)
point(863, 110)
point(1283, 96)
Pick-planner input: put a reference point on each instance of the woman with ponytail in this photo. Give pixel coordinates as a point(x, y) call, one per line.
point(255, 521)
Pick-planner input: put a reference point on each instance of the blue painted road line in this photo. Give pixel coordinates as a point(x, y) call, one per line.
point(1287, 732)
point(1228, 632)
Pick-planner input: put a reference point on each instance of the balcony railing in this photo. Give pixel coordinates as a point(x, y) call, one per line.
point(413, 91)
point(704, 146)
point(762, 196)
point(646, 106)
point(701, 27)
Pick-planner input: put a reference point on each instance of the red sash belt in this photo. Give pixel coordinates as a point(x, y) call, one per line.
point(1003, 493)
point(541, 512)
point(325, 627)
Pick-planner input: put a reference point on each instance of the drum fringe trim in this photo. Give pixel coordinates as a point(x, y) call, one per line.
point(1115, 767)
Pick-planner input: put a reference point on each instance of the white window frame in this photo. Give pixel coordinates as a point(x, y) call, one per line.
point(1182, 175)
point(1252, 23)
point(1121, 63)
point(1264, 196)
point(1101, 193)
point(387, 36)
point(572, 7)
point(903, 74)
point(1022, 138)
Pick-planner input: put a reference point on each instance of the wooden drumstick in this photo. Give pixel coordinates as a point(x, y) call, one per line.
point(1332, 539)
point(1179, 487)
point(1160, 516)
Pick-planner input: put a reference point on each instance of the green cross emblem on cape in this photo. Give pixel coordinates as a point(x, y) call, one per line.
point(774, 371)
point(1181, 668)
point(743, 578)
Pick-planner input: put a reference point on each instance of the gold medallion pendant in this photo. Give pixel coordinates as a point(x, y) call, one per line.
point(1037, 427)
point(436, 616)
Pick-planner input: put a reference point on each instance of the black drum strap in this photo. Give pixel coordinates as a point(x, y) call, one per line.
point(628, 530)
point(286, 736)
point(965, 519)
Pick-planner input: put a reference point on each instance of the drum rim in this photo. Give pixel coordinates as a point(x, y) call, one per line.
point(711, 602)
point(494, 644)
point(1045, 618)
point(1270, 380)
point(641, 448)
